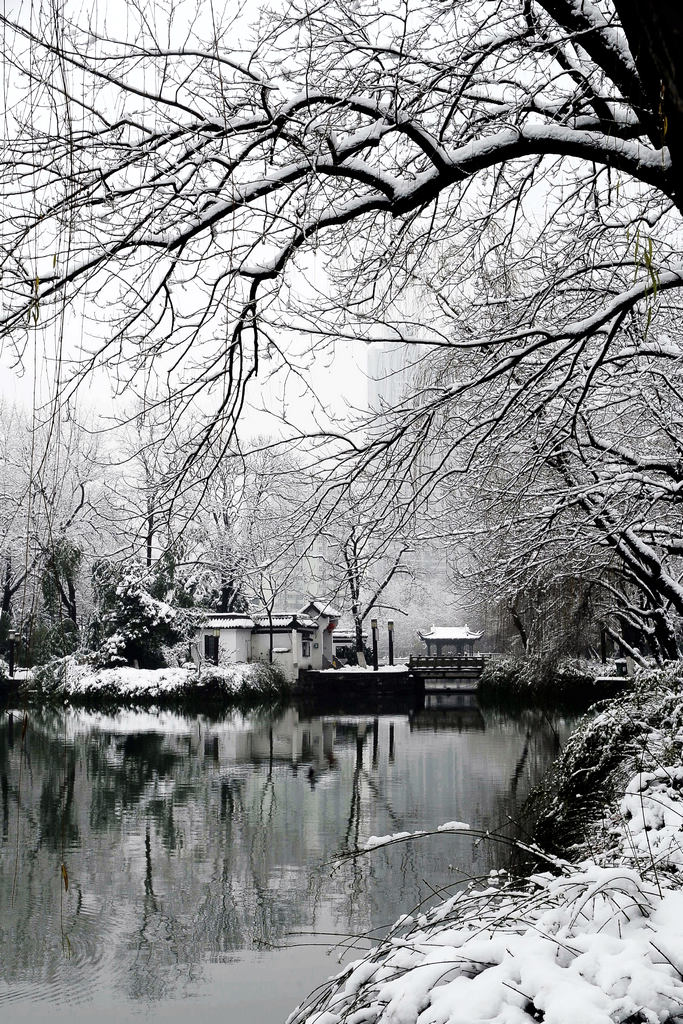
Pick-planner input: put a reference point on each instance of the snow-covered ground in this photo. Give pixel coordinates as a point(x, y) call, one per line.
point(598, 941)
point(358, 668)
point(126, 682)
point(74, 681)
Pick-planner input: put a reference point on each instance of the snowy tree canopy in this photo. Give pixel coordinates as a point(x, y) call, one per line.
point(492, 184)
point(165, 179)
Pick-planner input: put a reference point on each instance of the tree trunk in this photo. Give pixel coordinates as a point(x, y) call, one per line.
point(519, 625)
point(358, 623)
point(150, 534)
point(71, 607)
point(270, 634)
point(655, 37)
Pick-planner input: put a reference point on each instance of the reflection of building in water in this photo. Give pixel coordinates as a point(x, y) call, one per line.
point(209, 859)
point(450, 711)
point(290, 738)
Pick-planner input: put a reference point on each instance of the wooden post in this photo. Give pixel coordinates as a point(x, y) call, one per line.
point(11, 636)
point(375, 741)
point(390, 627)
point(391, 742)
point(375, 655)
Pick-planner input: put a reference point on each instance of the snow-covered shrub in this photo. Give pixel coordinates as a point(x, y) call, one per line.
point(59, 674)
point(593, 946)
point(641, 729)
point(132, 626)
point(566, 680)
point(72, 680)
point(256, 681)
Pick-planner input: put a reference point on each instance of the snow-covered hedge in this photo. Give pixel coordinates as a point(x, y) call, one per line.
point(81, 683)
point(642, 728)
point(567, 680)
point(597, 941)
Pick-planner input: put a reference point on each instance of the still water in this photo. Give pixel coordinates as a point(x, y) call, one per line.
point(199, 854)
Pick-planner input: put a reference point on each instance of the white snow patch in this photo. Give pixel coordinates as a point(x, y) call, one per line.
point(374, 841)
point(357, 668)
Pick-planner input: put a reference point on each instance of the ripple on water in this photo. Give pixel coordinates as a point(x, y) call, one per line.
point(76, 965)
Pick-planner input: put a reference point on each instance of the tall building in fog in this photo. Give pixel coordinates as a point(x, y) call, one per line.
point(391, 374)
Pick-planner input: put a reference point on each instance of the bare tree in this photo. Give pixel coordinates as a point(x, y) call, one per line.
point(517, 163)
point(182, 194)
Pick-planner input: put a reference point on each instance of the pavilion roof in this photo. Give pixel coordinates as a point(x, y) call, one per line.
point(448, 634)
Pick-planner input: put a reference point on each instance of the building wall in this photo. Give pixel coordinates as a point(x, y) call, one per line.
point(325, 648)
point(240, 645)
point(283, 656)
point(234, 645)
point(227, 646)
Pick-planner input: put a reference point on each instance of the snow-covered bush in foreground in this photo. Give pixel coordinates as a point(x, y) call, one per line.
point(593, 946)
point(595, 942)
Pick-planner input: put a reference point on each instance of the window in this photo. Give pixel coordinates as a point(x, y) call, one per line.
point(305, 648)
point(211, 649)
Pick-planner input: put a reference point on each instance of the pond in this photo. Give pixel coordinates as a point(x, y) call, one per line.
point(200, 854)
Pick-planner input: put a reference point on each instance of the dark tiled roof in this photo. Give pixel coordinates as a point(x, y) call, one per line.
point(285, 621)
point(228, 620)
point(321, 607)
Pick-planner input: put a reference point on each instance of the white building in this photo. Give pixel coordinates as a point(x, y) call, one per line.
point(299, 640)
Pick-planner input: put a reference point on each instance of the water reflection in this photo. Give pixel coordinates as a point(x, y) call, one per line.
point(195, 847)
point(453, 711)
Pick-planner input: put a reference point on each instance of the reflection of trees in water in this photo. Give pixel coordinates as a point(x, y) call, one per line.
point(183, 848)
point(176, 849)
point(540, 735)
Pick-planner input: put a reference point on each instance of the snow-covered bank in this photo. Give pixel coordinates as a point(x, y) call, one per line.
point(598, 940)
point(565, 681)
point(81, 684)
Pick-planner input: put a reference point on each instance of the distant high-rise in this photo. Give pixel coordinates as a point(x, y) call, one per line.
point(391, 374)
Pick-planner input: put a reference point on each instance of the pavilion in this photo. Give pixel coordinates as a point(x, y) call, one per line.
point(460, 639)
